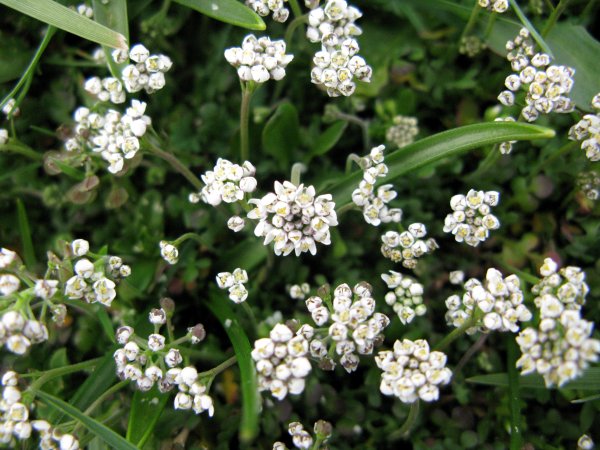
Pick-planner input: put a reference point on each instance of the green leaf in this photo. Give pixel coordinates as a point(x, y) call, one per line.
point(14, 57)
point(589, 381)
point(112, 14)
point(327, 140)
point(281, 134)
point(106, 434)
point(25, 232)
point(67, 170)
point(247, 254)
point(144, 414)
point(228, 11)
point(446, 144)
point(69, 20)
point(105, 323)
point(241, 346)
point(514, 396)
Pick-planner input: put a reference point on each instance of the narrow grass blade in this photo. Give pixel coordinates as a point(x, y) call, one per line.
point(228, 11)
point(69, 20)
point(446, 144)
point(514, 397)
point(241, 346)
point(25, 232)
point(112, 14)
point(527, 24)
point(102, 431)
point(143, 415)
point(589, 381)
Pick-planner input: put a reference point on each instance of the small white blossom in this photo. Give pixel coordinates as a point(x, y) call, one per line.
point(236, 223)
point(169, 252)
point(265, 7)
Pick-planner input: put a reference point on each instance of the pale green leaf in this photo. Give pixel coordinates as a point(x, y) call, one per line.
point(589, 381)
point(228, 11)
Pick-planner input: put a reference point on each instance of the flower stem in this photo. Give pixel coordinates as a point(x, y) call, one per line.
point(218, 369)
point(247, 90)
point(562, 5)
point(458, 332)
point(59, 372)
point(187, 236)
point(297, 170)
point(404, 431)
point(293, 26)
point(295, 8)
point(177, 165)
point(472, 19)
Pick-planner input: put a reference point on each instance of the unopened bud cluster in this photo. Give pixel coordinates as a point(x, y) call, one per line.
point(265, 7)
point(408, 246)
point(472, 220)
point(94, 280)
point(497, 304)
point(589, 184)
point(587, 131)
point(403, 131)
point(411, 371)
point(302, 439)
point(16, 423)
point(355, 326)
point(497, 6)
point(227, 182)
point(281, 362)
point(561, 347)
point(234, 282)
point(294, 218)
point(259, 59)
point(406, 296)
point(18, 333)
point(338, 62)
point(471, 45)
point(374, 201)
point(149, 362)
point(115, 136)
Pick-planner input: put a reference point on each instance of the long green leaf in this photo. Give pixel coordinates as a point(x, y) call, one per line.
point(514, 396)
point(103, 432)
point(112, 14)
point(69, 20)
point(241, 346)
point(446, 144)
point(228, 11)
point(25, 231)
point(143, 415)
point(589, 381)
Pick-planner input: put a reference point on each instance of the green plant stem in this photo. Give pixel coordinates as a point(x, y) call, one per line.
point(293, 26)
point(21, 149)
point(472, 20)
point(177, 165)
point(490, 25)
point(458, 332)
point(352, 157)
point(527, 24)
point(28, 74)
point(187, 236)
point(248, 310)
point(404, 431)
point(247, 90)
point(557, 154)
point(115, 388)
point(297, 170)
point(363, 124)
point(562, 5)
point(516, 440)
point(218, 369)
point(60, 371)
point(487, 164)
point(295, 8)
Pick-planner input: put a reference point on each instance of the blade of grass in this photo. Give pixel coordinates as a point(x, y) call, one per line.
point(69, 20)
point(527, 24)
point(112, 14)
point(25, 231)
point(588, 381)
point(514, 396)
point(102, 431)
point(446, 144)
point(241, 346)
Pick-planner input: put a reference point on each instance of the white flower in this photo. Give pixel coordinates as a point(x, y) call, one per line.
point(236, 223)
point(3, 136)
point(169, 252)
point(173, 358)
point(80, 247)
point(6, 257)
point(156, 342)
point(8, 284)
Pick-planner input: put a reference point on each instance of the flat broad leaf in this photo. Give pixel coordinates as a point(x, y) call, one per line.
point(55, 14)
point(228, 11)
point(433, 149)
point(281, 134)
point(327, 140)
point(589, 381)
point(102, 431)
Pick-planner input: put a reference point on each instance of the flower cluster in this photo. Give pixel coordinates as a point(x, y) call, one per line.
point(403, 131)
point(471, 220)
point(589, 184)
point(293, 218)
point(338, 62)
point(406, 296)
point(115, 136)
point(18, 333)
point(408, 246)
point(15, 423)
point(265, 7)
point(497, 6)
point(169, 252)
point(85, 10)
point(144, 361)
point(355, 329)
point(227, 182)
point(94, 281)
point(259, 60)
point(494, 305)
point(547, 86)
point(147, 73)
point(281, 362)
point(235, 283)
point(411, 371)
point(587, 131)
point(374, 202)
point(299, 291)
point(561, 347)
point(302, 439)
